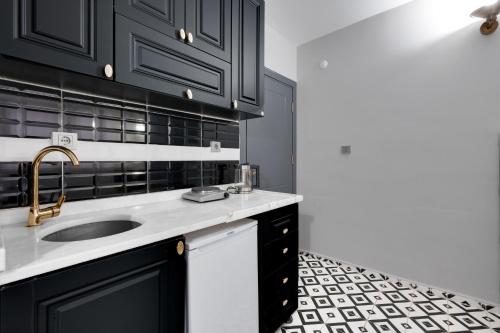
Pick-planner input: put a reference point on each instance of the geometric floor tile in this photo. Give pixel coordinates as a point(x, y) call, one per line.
point(339, 298)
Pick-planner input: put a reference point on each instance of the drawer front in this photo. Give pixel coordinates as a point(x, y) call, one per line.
point(280, 227)
point(282, 285)
point(279, 312)
point(151, 60)
point(279, 253)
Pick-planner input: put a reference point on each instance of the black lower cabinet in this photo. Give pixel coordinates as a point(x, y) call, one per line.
point(278, 266)
point(142, 290)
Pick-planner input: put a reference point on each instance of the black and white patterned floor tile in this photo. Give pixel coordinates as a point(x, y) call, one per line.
point(337, 298)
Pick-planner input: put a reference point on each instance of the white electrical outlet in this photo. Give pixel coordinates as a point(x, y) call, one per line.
point(68, 140)
point(215, 146)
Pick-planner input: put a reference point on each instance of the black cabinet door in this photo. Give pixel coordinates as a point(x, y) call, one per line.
point(141, 290)
point(248, 54)
point(209, 21)
point(76, 35)
point(165, 16)
point(152, 60)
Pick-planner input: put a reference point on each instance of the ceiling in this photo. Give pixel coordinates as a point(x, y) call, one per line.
point(301, 21)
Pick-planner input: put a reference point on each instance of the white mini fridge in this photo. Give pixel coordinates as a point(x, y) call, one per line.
point(222, 281)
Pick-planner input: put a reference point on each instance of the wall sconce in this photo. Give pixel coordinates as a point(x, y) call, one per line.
point(489, 13)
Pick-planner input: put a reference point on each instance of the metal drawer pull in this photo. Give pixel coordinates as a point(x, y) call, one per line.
point(285, 231)
point(189, 94)
point(285, 250)
point(182, 34)
point(190, 38)
point(285, 302)
point(285, 280)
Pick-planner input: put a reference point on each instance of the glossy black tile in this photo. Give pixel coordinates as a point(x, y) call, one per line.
point(50, 182)
point(28, 113)
point(227, 133)
point(92, 180)
point(13, 184)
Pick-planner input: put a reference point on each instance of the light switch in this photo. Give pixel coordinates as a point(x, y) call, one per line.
point(345, 150)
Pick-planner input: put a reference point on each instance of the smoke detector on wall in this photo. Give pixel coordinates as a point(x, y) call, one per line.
point(489, 13)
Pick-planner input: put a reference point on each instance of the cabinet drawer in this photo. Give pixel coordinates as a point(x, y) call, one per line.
point(152, 60)
point(280, 227)
point(282, 284)
point(279, 253)
point(279, 312)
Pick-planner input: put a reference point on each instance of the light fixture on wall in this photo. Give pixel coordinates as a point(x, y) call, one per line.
point(489, 13)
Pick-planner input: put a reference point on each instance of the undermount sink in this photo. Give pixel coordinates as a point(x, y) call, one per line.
point(91, 231)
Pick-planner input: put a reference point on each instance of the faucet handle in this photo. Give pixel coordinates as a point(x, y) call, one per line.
point(56, 210)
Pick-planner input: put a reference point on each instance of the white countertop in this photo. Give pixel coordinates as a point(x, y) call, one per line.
point(27, 255)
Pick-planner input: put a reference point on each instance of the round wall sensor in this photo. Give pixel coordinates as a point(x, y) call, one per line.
point(323, 64)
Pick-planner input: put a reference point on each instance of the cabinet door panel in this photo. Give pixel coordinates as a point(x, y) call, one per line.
point(141, 290)
point(75, 35)
point(153, 61)
point(165, 16)
point(248, 54)
point(210, 23)
point(108, 304)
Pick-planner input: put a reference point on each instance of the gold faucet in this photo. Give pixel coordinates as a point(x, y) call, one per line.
point(38, 214)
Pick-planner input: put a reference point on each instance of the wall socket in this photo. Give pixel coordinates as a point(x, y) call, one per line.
point(215, 146)
point(68, 140)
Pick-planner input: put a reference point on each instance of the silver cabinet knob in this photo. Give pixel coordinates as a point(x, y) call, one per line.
point(108, 71)
point(285, 250)
point(285, 231)
point(190, 38)
point(235, 104)
point(182, 34)
point(189, 94)
point(285, 280)
point(285, 302)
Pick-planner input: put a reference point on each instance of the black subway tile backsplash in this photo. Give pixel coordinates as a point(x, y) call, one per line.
point(30, 111)
point(92, 180)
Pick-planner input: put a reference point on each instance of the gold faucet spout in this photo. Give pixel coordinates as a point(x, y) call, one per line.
point(37, 214)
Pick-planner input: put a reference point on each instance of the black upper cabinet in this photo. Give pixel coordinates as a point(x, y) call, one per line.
point(208, 51)
point(209, 22)
point(152, 60)
point(74, 35)
point(142, 290)
point(248, 55)
point(165, 16)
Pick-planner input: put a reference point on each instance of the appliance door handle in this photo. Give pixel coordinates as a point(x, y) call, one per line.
point(256, 173)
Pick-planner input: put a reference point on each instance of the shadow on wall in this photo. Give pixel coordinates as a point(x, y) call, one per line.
point(305, 222)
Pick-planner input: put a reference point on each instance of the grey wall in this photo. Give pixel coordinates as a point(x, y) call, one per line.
point(415, 91)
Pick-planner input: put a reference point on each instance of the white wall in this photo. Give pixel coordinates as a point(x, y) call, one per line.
point(415, 92)
point(280, 54)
